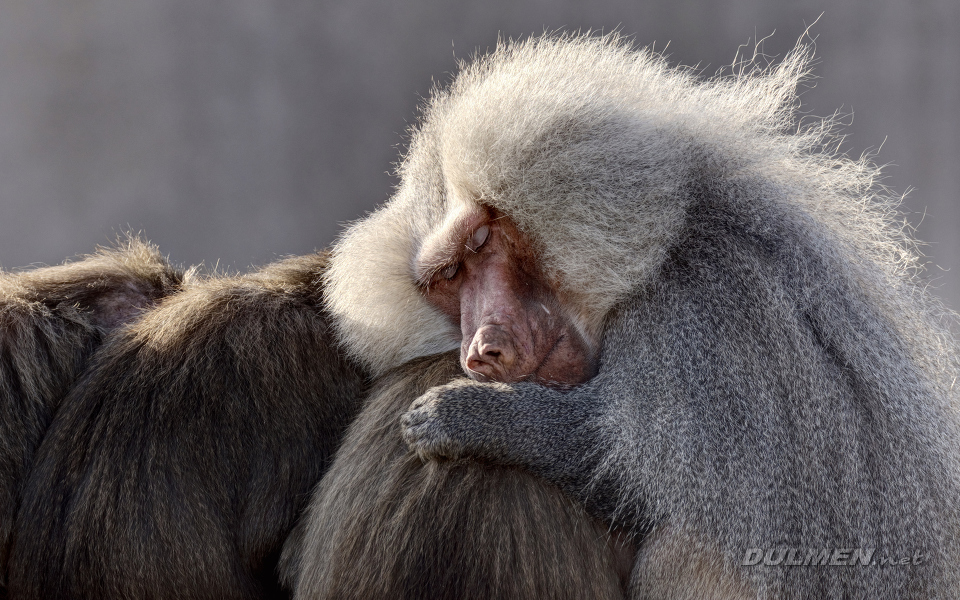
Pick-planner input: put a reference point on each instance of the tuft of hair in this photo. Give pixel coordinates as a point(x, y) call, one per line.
point(597, 149)
point(384, 524)
point(107, 288)
point(51, 321)
point(178, 464)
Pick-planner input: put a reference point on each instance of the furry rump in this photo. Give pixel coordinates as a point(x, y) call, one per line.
point(177, 465)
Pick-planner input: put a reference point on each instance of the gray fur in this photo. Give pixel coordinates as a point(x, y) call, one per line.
point(773, 374)
point(51, 321)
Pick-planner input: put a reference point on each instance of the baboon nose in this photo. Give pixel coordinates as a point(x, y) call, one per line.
point(492, 353)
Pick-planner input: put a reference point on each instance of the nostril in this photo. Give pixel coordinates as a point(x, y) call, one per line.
point(491, 348)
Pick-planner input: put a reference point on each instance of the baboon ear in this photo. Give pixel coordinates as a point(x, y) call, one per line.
point(116, 307)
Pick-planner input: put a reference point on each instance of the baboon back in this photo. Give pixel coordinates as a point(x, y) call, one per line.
point(178, 464)
point(384, 524)
point(51, 321)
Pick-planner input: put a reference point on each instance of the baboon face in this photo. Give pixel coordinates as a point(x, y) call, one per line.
point(482, 271)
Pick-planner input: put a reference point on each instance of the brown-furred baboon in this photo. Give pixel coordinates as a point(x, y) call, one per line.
point(382, 524)
point(681, 308)
point(51, 321)
point(179, 462)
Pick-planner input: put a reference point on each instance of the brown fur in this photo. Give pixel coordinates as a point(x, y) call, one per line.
point(179, 463)
point(678, 565)
point(383, 524)
point(51, 320)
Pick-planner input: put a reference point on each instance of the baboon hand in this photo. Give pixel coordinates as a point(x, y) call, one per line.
point(455, 420)
point(424, 429)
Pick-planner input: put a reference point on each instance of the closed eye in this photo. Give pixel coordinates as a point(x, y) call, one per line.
point(479, 238)
point(450, 271)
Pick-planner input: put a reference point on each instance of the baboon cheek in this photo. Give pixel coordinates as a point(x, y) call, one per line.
point(570, 362)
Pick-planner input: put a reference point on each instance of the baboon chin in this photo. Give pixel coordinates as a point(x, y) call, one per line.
point(384, 524)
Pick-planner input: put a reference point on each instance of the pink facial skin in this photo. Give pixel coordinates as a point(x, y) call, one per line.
point(514, 326)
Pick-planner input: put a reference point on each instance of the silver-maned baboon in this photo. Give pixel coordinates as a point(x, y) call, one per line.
point(179, 462)
point(382, 524)
point(51, 321)
point(681, 307)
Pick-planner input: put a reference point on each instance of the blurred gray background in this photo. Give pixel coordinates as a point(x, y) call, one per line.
point(236, 132)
